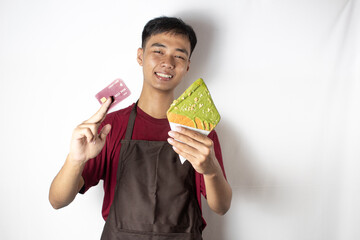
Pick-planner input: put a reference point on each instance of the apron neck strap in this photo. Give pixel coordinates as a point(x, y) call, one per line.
point(130, 126)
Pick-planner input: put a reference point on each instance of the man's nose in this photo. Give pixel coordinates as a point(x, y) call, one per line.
point(168, 62)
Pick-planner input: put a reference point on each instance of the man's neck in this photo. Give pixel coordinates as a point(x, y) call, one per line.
point(155, 104)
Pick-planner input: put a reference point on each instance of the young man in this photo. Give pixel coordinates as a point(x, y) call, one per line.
point(149, 194)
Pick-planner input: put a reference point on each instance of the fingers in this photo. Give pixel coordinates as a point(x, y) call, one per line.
point(192, 138)
point(190, 142)
point(100, 115)
point(104, 131)
point(183, 149)
point(89, 132)
point(81, 132)
point(92, 129)
point(195, 147)
point(195, 135)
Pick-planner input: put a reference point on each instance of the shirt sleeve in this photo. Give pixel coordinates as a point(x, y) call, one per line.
point(214, 137)
point(91, 174)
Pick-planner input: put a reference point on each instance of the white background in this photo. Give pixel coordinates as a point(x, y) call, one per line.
point(283, 74)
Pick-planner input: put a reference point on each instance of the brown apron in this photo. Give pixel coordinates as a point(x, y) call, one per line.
point(155, 195)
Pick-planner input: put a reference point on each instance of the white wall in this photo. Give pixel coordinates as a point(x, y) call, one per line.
point(284, 75)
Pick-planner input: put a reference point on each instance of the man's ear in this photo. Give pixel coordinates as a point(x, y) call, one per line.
point(188, 66)
point(140, 55)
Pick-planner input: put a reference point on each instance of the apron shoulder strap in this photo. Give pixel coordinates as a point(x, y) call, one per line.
point(130, 126)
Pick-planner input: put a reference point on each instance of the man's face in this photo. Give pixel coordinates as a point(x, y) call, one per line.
point(165, 60)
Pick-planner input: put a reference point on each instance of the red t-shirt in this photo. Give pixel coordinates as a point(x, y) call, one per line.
point(105, 165)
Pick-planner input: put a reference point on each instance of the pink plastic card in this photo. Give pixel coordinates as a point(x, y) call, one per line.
point(117, 89)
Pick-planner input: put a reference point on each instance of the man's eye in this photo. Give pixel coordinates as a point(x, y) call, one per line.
point(156, 51)
point(180, 57)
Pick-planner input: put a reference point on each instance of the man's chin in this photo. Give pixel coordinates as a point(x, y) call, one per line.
point(166, 85)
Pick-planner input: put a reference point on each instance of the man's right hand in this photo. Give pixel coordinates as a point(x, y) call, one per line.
point(86, 142)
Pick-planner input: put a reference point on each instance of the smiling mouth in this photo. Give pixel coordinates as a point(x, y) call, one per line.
point(164, 76)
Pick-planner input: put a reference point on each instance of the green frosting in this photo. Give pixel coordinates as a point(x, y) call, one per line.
point(196, 101)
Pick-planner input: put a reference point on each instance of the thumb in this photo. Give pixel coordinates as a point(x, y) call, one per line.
point(104, 131)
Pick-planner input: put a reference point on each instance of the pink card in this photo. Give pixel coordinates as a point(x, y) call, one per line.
point(117, 89)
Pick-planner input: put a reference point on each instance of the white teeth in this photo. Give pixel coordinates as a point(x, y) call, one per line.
point(164, 75)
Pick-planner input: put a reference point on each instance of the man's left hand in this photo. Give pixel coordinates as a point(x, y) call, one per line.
point(197, 148)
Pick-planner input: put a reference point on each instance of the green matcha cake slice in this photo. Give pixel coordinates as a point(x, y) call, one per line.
point(194, 108)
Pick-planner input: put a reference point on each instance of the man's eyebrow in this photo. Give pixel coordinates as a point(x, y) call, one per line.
point(158, 45)
point(163, 46)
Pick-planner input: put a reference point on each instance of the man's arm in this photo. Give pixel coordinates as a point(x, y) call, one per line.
point(198, 149)
point(86, 143)
point(66, 184)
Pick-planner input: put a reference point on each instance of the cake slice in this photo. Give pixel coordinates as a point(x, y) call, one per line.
point(195, 108)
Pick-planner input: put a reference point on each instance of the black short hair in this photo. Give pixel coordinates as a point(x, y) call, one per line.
point(169, 24)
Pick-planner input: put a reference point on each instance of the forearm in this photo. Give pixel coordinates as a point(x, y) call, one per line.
point(218, 192)
point(66, 184)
